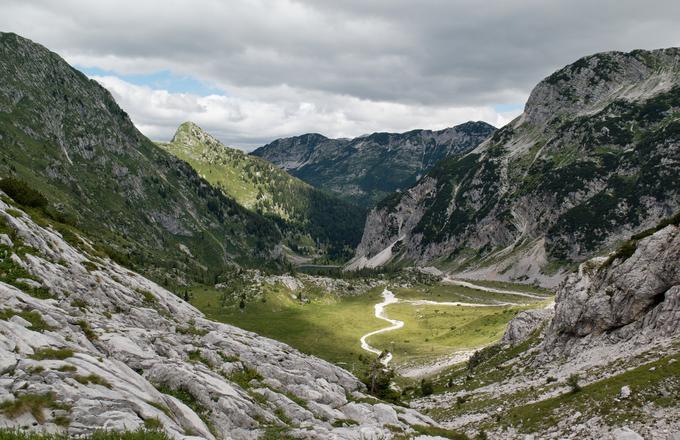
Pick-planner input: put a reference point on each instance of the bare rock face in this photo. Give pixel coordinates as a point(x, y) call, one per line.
point(105, 348)
point(637, 297)
point(524, 324)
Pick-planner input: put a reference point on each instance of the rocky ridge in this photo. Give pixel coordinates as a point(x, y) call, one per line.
point(102, 347)
point(366, 169)
point(592, 159)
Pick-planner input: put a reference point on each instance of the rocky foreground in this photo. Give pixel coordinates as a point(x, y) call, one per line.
point(86, 344)
point(603, 365)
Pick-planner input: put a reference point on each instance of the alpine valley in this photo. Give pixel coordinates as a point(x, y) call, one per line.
point(467, 283)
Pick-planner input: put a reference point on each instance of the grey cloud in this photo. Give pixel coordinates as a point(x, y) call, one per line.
point(425, 52)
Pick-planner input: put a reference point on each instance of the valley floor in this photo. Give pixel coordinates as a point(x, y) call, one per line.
point(441, 320)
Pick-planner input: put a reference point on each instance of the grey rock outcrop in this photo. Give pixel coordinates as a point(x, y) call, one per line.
point(108, 349)
point(634, 297)
point(524, 324)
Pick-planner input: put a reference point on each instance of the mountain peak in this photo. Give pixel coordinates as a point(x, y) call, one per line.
point(592, 82)
point(190, 133)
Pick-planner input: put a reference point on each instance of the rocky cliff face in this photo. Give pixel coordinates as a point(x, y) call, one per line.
point(593, 158)
point(632, 295)
point(67, 137)
point(94, 346)
point(366, 169)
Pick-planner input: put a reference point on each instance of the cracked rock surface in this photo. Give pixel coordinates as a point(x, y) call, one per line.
point(111, 349)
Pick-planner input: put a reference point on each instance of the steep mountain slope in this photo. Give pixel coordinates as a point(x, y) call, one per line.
point(66, 136)
point(367, 168)
point(605, 365)
point(593, 158)
point(87, 345)
point(309, 218)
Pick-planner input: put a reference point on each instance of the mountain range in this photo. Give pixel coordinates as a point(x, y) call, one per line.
point(582, 189)
point(364, 170)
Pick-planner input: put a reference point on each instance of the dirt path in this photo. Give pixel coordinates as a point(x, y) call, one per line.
point(471, 285)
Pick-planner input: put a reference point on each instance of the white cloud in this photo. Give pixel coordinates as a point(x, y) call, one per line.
point(251, 121)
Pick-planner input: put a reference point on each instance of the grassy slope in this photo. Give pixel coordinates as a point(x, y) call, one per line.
point(654, 385)
point(307, 215)
point(327, 326)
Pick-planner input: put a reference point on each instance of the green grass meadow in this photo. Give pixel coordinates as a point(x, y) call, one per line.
point(330, 326)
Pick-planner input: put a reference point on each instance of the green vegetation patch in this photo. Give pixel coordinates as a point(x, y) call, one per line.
point(52, 353)
point(22, 193)
point(654, 383)
point(35, 404)
point(145, 434)
point(432, 331)
point(317, 327)
point(92, 379)
point(243, 376)
point(439, 432)
point(319, 324)
point(34, 317)
point(87, 330)
point(185, 397)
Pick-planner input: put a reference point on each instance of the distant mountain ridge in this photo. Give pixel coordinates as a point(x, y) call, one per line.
point(367, 168)
point(313, 222)
point(593, 159)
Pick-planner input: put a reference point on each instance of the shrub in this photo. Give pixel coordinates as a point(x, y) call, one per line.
point(85, 327)
point(30, 403)
point(244, 376)
point(152, 424)
point(438, 432)
point(67, 369)
point(483, 355)
point(93, 379)
point(34, 317)
point(572, 381)
point(22, 193)
point(426, 387)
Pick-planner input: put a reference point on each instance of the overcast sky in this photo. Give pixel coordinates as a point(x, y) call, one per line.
point(250, 71)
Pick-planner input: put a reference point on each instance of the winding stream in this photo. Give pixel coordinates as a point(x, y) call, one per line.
point(395, 324)
point(380, 314)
